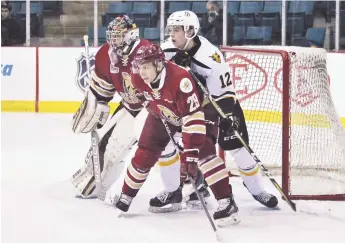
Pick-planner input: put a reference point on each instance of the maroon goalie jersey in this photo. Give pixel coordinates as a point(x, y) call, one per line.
point(176, 99)
point(112, 74)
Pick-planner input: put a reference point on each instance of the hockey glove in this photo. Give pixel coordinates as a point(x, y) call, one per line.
point(229, 124)
point(182, 58)
point(189, 164)
point(90, 114)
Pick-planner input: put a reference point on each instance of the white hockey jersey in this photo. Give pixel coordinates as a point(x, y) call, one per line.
point(208, 62)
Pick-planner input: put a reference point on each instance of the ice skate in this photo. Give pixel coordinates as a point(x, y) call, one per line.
point(192, 200)
point(265, 198)
point(123, 202)
point(227, 212)
point(166, 202)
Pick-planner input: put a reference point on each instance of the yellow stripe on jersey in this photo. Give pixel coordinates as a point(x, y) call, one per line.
point(104, 84)
point(101, 91)
point(194, 129)
point(195, 116)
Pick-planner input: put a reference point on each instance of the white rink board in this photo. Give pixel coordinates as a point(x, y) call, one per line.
point(18, 73)
point(58, 76)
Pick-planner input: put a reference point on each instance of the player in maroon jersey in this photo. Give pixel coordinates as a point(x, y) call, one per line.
point(174, 97)
point(111, 75)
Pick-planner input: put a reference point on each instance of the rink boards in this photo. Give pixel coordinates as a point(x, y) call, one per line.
point(52, 79)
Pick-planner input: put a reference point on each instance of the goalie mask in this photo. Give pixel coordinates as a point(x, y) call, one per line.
point(122, 33)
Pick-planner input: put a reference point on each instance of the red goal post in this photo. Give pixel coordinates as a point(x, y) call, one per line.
point(292, 122)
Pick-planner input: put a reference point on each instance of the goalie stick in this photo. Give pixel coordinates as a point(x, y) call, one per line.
point(248, 148)
point(94, 134)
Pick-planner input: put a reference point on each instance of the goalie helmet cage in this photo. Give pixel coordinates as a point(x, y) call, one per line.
point(293, 126)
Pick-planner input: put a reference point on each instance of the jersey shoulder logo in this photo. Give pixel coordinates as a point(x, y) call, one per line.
point(82, 78)
point(215, 57)
point(186, 85)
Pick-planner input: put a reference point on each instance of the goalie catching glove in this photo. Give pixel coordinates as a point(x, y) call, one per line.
point(90, 114)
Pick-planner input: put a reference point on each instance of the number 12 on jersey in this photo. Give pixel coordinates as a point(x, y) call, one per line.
point(225, 80)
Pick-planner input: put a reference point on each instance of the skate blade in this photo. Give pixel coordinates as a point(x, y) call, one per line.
point(195, 205)
point(231, 220)
point(166, 209)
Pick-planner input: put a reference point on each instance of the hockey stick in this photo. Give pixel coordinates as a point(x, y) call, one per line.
point(248, 148)
point(180, 149)
point(94, 134)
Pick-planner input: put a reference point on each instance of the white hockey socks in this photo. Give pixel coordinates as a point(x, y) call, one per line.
point(249, 170)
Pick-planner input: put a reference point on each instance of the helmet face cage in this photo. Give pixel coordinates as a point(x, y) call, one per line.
point(121, 31)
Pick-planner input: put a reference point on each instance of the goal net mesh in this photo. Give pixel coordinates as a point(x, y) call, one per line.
point(316, 138)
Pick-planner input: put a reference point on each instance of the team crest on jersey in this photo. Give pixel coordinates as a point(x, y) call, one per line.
point(169, 116)
point(130, 95)
point(82, 78)
point(186, 85)
point(215, 57)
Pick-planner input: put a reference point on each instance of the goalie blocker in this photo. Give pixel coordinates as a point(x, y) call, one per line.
point(116, 140)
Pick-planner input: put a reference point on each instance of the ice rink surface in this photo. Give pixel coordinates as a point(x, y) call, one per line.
point(40, 153)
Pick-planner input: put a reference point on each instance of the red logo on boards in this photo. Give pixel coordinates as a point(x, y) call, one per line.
point(243, 72)
point(302, 86)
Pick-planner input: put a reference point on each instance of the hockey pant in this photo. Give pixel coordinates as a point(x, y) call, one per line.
point(152, 143)
point(247, 166)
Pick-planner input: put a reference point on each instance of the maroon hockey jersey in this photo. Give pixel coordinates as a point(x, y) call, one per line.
point(177, 100)
point(112, 75)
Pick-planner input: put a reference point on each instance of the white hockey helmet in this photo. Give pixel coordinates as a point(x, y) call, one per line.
point(187, 19)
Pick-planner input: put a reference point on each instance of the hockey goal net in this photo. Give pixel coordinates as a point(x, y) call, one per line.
point(293, 126)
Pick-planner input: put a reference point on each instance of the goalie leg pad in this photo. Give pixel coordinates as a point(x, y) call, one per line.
point(90, 113)
point(113, 147)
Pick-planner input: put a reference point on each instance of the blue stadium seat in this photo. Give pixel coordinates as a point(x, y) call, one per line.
point(272, 19)
point(306, 7)
point(295, 25)
point(251, 7)
point(115, 9)
point(239, 35)
point(15, 7)
point(258, 35)
point(152, 34)
point(120, 8)
point(233, 7)
point(199, 8)
point(35, 8)
point(272, 7)
point(241, 19)
point(178, 6)
point(316, 36)
point(144, 13)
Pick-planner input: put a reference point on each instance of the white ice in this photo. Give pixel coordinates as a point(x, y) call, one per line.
point(39, 154)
